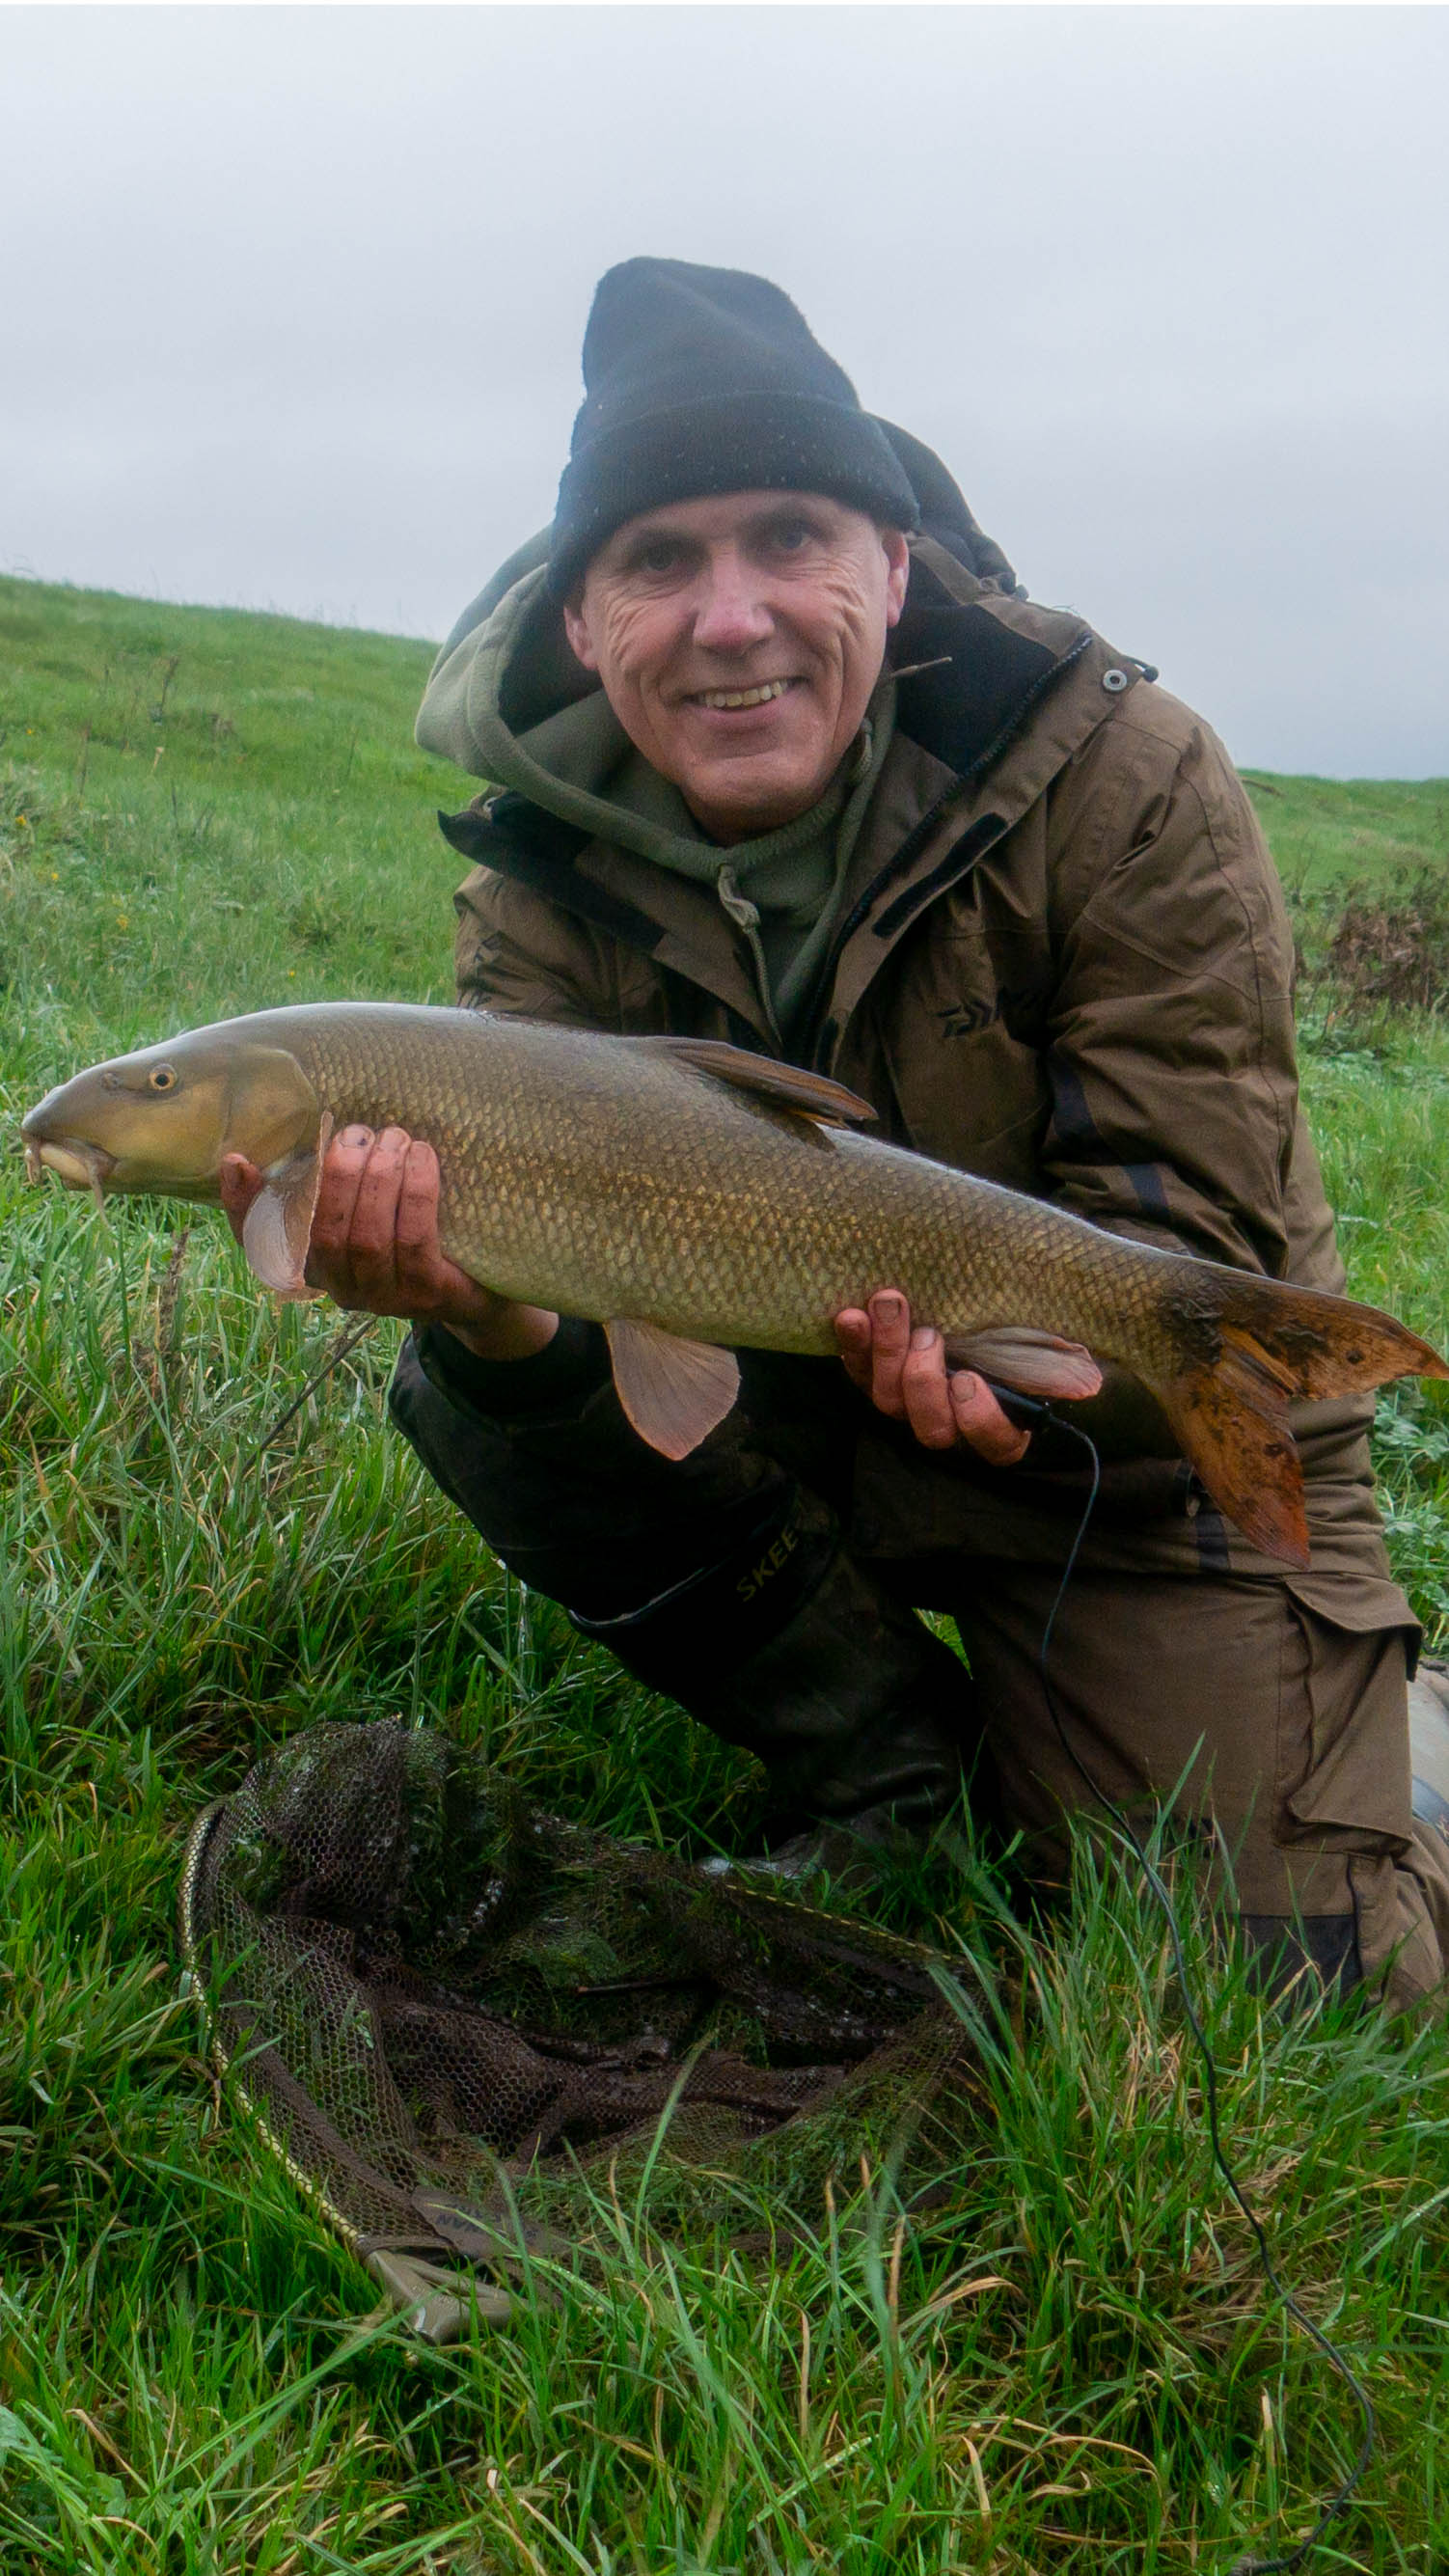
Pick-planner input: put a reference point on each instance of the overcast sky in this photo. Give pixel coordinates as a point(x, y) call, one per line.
point(293, 302)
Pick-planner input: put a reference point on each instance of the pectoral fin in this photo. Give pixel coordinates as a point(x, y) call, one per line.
point(1038, 1363)
point(278, 1225)
point(784, 1086)
point(674, 1392)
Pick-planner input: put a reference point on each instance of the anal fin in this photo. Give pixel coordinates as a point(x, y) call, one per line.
point(674, 1392)
point(1037, 1363)
point(278, 1225)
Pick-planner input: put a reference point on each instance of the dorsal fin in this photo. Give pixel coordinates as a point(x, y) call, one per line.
point(784, 1086)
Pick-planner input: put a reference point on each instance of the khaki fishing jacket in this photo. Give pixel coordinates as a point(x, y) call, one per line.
point(1061, 961)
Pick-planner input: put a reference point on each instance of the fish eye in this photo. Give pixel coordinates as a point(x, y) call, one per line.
point(162, 1078)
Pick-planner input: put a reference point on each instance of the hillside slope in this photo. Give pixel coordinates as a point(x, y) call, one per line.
point(204, 810)
point(201, 807)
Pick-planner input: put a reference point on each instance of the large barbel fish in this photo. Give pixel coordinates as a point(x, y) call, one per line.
point(696, 1199)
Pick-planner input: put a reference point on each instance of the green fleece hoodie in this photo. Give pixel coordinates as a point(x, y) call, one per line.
point(576, 761)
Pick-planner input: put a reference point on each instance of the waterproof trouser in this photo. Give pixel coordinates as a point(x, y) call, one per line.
point(1279, 1738)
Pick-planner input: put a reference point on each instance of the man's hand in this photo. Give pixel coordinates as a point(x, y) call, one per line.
point(905, 1375)
point(375, 1247)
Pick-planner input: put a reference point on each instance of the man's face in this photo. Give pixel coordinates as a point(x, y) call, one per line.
point(781, 599)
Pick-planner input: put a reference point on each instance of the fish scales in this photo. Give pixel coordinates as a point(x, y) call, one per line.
point(704, 1212)
point(687, 1190)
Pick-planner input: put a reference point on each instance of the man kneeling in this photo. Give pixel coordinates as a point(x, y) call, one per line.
point(782, 755)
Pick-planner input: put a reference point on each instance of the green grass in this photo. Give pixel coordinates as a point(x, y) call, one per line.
point(1070, 2363)
point(203, 813)
point(1324, 830)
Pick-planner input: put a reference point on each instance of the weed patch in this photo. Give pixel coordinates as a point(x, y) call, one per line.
point(1380, 950)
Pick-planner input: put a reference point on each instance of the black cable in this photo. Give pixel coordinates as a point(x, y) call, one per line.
point(1248, 2564)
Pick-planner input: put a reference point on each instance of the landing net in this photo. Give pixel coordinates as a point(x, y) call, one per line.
point(464, 2022)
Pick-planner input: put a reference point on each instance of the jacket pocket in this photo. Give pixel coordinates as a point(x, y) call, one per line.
point(1343, 1731)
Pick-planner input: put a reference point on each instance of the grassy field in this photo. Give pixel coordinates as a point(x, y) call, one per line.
point(1071, 2365)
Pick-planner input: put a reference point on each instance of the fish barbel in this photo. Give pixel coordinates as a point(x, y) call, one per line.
point(695, 1199)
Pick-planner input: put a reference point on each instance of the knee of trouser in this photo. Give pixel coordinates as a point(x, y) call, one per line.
point(427, 1422)
point(690, 1638)
point(580, 1509)
point(463, 1454)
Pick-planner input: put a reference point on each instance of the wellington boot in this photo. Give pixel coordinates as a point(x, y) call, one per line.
point(859, 1715)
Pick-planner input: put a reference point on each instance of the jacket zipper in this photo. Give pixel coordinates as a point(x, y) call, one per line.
point(916, 840)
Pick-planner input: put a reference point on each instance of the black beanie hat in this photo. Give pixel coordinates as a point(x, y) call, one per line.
point(705, 380)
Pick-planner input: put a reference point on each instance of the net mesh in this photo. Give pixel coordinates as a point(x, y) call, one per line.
point(457, 2014)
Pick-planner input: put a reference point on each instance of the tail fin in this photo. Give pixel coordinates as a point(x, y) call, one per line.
point(1267, 1345)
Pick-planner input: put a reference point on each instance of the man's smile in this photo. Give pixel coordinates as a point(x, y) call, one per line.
point(759, 694)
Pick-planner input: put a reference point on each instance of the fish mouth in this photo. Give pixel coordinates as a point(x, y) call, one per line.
point(78, 1165)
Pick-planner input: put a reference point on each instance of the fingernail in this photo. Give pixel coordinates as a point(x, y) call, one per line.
point(891, 1308)
point(355, 1136)
point(924, 1337)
